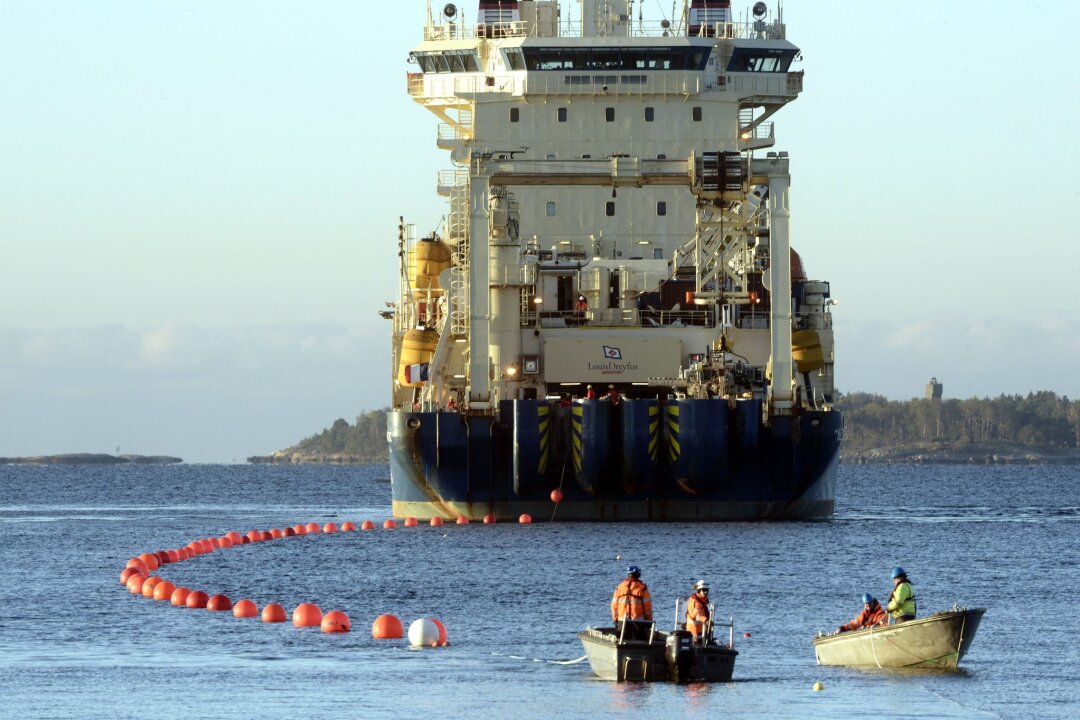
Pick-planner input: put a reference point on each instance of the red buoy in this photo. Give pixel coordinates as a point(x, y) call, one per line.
point(746, 634)
point(135, 583)
point(436, 521)
point(149, 584)
point(410, 522)
point(215, 542)
point(307, 615)
point(329, 527)
point(162, 558)
point(254, 535)
point(387, 627)
point(196, 599)
point(312, 527)
point(245, 609)
point(226, 543)
point(219, 603)
point(179, 596)
point(273, 613)
point(174, 556)
point(299, 529)
point(389, 524)
point(556, 495)
point(266, 536)
point(164, 590)
point(525, 518)
point(489, 519)
point(442, 631)
point(289, 532)
point(234, 536)
point(335, 621)
point(367, 525)
point(138, 565)
point(276, 533)
point(348, 526)
point(462, 520)
point(128, 572)
point(150, 560)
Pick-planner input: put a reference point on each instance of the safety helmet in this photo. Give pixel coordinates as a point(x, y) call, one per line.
point(701, 585)
point(633, 570)
point(898, 572)
point(611, 387)
point(867, 598)
point(580, 297)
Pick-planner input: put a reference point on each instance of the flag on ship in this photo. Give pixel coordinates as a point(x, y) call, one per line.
point(417, 373)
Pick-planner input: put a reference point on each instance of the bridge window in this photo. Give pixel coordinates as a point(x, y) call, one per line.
point(449, 61)
point(760, 60)
point(654, 58)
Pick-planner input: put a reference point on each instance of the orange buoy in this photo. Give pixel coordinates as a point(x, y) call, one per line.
point(135, 583)
point(556, 495)
point(215, 542)
point(254, 535)
point(180, 596)
point(245, 609)
point(367, 525)
point(387, 627)
point(329, 527)
point(138, 565)
point(410, 522)
point(207, 546)
point(226, 543)
point(299, 529)
point(335, 621)
point(128, 572)
point(442, 631)
point(489, 519)
point(245, 540)
point(273, 613)
point(289, 532)
point(746, 634)
point(196, 599)
point(162, 558)
point(389, 524)
point(234, 536)
point(164, 590)
point(525, 519)
point(148, 585)
point(307, 615)
point(312, 527)
point(150, 560)
point(218, 603)
point(276, 533)
point(194, 548)
point(462, 520)
point(348, 526)
point(436, 521)
point(266, 536)
point(174, 556)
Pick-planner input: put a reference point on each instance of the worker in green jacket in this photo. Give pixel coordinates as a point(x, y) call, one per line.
point(901, 604)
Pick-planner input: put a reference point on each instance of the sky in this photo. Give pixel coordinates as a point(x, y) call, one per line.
point(199, 204)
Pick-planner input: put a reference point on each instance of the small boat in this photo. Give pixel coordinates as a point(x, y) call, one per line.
point(937, 641)
point(617, 655)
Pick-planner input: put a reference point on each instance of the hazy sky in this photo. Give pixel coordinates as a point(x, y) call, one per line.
point(199, 205)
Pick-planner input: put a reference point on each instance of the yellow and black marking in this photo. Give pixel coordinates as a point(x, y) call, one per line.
point(576, 426)
point(544, 420)
point(674, 450)
point(654, 432)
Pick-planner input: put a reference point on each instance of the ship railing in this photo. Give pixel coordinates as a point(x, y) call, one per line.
point(450, 85)
point(623, 83)
point(783, 84)
point(618, 317)
point(572, 28)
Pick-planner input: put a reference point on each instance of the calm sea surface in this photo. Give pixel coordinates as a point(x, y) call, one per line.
point(75, 644)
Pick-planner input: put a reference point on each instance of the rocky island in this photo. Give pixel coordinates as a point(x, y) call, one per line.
point(90, 459)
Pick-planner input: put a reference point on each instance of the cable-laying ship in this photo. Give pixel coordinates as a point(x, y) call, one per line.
point(617, 229)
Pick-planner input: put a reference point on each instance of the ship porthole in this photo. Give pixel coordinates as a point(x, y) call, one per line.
point(413, 423)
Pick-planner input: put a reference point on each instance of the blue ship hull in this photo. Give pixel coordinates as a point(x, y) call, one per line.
point(640, 460)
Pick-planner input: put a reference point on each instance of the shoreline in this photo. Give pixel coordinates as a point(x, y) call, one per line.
point(91, 459)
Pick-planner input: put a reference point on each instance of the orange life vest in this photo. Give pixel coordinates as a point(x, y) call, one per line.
point(697, 614)
point(631, 601)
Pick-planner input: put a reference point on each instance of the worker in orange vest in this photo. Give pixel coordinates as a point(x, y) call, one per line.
point(697, 610)
point(613, 395)
point(872, 615)
point(590, 393)
point(632, 602)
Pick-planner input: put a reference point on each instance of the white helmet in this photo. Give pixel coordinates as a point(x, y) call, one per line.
point(701, 585)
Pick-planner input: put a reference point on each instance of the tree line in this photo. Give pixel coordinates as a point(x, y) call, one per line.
point(1040, 419)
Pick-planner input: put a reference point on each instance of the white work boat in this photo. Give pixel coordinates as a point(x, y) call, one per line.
point(937, 641)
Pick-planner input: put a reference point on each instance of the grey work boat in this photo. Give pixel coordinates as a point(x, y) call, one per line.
point(937, 641)
point(656, 656)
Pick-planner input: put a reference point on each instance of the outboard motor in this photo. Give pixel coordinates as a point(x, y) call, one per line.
point(679, 653)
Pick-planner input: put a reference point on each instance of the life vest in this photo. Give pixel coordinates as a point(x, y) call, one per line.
point(902, 601)
point(631, 601)
point(867, 618)
point(697, 614)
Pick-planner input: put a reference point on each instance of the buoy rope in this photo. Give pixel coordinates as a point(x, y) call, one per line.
point(562, 476)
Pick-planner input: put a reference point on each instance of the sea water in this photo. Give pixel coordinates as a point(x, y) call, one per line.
point(76, 644)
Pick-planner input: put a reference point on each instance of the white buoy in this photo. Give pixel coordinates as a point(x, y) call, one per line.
point(423, 633)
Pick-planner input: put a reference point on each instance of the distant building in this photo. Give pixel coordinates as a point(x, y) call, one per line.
point(933, 389)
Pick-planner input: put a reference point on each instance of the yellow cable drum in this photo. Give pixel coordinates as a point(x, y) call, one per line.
point(806, 350)
point(417, 347)
point(429, 258)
